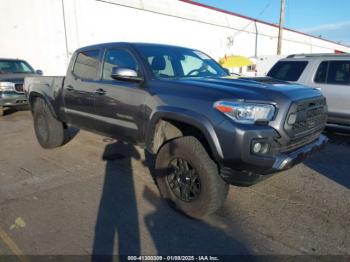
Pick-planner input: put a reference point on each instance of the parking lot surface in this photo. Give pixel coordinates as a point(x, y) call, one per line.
point(96, 196)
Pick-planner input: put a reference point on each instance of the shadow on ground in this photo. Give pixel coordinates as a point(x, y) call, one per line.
point(117, 228)
point(332, 162)
point(12, 110)
point(117, 215)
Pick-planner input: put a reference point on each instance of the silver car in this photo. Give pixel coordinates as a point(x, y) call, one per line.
point(330, 73)
point(12, 74)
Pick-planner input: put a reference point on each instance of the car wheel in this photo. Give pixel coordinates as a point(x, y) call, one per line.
point(189, 178)
point(49, 131)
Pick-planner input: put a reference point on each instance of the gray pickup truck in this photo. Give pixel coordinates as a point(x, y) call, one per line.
point(12, 74)
point(205, 129)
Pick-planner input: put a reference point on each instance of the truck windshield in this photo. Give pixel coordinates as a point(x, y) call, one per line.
point(176, 62)
point(15, 67)
point(287, 70)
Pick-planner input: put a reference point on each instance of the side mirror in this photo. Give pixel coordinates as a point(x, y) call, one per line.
point(120, 73)
point(39, 72)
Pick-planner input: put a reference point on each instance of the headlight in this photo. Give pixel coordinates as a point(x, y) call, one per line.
point(245, 112)
point(7, 86)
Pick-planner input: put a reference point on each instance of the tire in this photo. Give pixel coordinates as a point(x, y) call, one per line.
point(209, 190)
point(48, 130)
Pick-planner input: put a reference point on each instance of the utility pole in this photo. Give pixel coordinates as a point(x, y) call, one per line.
point(280, 31)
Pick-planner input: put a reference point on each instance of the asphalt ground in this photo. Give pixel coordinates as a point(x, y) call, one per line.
point(96, 196)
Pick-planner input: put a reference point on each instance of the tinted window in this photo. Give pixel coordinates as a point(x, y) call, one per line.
point(339, 72)
point(288, 70)
point(86, 64)
point(15, 66)
point(321, 73)
point(117, 58)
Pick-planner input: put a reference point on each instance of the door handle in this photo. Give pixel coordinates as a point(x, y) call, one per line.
point(100, 91)
point(70, 88)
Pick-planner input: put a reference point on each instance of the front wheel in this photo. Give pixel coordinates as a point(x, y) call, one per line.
point(189, 178)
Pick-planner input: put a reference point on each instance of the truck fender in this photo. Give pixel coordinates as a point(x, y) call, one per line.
point(33, 95)
point(187, 117)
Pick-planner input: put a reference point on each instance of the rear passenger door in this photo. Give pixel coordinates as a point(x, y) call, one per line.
point(80, 87)
point(333, 79)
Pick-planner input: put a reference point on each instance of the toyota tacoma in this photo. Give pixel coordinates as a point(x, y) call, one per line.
point(205, 129)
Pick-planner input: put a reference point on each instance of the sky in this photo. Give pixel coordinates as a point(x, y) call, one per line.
point(327, 18)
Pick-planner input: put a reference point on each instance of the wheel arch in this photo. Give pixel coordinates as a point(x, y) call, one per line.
point(169, 123)
point(35, 95)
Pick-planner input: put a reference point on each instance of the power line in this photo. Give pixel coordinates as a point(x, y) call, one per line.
point(256, 18)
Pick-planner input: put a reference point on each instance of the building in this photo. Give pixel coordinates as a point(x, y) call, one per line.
point(46, 32)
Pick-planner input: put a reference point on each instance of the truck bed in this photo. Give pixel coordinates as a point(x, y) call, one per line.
point(47, 84)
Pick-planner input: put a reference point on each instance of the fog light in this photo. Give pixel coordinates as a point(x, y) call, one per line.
point(257, 147)
point(292, 119)
point(260, 147)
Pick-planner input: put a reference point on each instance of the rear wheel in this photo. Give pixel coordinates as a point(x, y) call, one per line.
point(49, 131)
point(189, 178)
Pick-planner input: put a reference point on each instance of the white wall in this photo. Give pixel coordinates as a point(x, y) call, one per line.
point(35, 29)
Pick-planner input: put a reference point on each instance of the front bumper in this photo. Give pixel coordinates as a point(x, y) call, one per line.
point(286, 161)
point(239, 166)
point(10, 99)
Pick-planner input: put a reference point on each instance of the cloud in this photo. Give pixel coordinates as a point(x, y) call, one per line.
point(327, 27)
point(336, 31)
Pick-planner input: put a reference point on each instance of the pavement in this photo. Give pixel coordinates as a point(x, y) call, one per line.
point(95, 195)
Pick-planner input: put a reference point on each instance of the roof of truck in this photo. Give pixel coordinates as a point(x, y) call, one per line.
point(128, 44)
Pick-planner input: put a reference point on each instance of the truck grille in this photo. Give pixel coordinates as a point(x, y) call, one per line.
point(19, 88)
point(306, 117)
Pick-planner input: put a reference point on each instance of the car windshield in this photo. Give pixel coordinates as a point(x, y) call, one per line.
point(15, 67)
point(176, 62)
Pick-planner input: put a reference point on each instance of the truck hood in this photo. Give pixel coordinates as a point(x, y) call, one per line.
point(15, 78)
point(255, 88)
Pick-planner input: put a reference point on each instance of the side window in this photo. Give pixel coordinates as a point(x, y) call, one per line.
point(288, 70)
point(117, 58)
point(251, 68)
point(86, 64)
point(339, 72)
point(161, 66)
point(321, 73)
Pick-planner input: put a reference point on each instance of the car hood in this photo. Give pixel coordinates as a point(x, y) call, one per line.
point(15, 78)
point(254, 88)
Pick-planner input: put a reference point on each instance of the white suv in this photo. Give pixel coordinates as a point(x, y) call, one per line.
point(329, 73)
